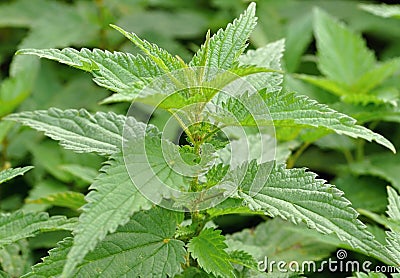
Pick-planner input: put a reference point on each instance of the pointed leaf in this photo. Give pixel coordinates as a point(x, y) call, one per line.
point(8, 174)
point(268, 56)
point(77, 130)
point(113, 199)
point(115, 71)
point(343, 55)
point(394, 204)
point(223, 49)
point(69, 199)
point(298, 196)
point(208, 248)
point(288, 109)
point(159, 56)
point(19, 225)
point(144, 247)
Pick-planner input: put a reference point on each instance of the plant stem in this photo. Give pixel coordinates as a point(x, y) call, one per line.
point(293, 158)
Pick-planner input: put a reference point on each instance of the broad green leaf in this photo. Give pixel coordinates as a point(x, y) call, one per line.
point(298, 196)
point(115, 71)
point(384, 166)
point(77, 130)
point(110, 203)
point(268, 56)
point(16, 258)
point(208, 248)
point(243, 258)
point(8, 174)
point(143, 247)
point(298, 37)
point(291, 110)
point(362, 90)
point(18, 225)
point(159, 56)
point(343, 55)
point(382, 10)
point(375, 76)
point(69, 199)
point(222, 50)
point(288, 109)
point(275, 240)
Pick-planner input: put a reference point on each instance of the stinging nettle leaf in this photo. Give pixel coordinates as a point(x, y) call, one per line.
point(288, 109)
point(113, 199)
point(159, 56)
point(77, 130)
point(222, 50)
point(18, 225)
point(209, 250)
point(268, 56)
point(298, 196)
point(115, 71)
point(8, 174)
point(143, 247)
point(343, 55)
point(69, 199)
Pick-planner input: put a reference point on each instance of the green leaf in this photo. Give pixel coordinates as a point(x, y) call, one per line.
point(69, 199)
point(343, 55)
point(384, 166)
point(268, 56)
point(375, 76)
point(113, 199)
point(288, 109)
point(394, 204)
point(222, 50)
point(291, 110)
point(115, 71)
point(19, 225)
point(243, 258)
point(8, 174)
point(159, 56)
point(144, 247)
point(298, 196)
point(275, 240)
point(382, 10)
point(77, 130)
point(209, 250)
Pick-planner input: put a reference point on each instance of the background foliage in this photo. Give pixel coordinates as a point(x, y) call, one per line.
point(353, 68)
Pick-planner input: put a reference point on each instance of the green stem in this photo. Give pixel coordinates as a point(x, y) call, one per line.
point(293, 158)
point(349, 156)
point(361, 143)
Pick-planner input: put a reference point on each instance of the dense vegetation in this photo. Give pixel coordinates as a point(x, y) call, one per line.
point(198, 153)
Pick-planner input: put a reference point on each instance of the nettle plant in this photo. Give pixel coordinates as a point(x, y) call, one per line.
point(150, 211)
